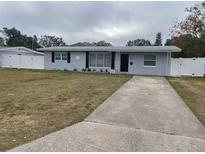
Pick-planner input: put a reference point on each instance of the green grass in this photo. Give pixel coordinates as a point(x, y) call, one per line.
point(192, 90)
point(35, 103)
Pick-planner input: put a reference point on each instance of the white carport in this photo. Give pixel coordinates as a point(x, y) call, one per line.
point(21, 57)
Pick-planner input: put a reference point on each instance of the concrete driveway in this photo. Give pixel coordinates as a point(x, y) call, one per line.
point(145, 114)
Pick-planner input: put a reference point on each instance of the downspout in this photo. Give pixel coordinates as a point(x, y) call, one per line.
point(170, 63)
point(167, 65)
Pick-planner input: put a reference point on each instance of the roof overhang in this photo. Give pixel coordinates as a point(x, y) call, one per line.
point(116, 49)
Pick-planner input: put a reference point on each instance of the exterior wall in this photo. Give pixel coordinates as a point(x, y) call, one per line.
point(75, 63)
point(21, 60)
point(162, 67)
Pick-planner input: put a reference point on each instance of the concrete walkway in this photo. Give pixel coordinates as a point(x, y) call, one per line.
point(145, 114)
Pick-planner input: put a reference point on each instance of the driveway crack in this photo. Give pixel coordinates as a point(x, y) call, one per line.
point(135, 128)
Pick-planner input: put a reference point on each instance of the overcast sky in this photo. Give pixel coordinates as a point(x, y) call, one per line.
point(115, 22)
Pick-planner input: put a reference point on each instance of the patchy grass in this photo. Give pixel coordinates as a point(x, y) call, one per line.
point(192, 90)
point(35, 103)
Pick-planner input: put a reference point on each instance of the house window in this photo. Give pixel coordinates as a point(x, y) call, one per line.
point(107, 60)
point(57, 56)
point(92, 60)
point(64, 56)
point(149, 60)
point(99, 60)
point(61, 56)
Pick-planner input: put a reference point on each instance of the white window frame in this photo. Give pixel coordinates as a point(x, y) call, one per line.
point(150, 60)
point(61, 56)
point(96, 62)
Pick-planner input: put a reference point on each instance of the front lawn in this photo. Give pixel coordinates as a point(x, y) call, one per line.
point(35, 103)
point(192, 90)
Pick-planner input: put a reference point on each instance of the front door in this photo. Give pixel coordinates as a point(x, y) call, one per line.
point(124, 62)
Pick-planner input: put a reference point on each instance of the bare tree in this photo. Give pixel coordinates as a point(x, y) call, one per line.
point(194, 23)
point(51, 41)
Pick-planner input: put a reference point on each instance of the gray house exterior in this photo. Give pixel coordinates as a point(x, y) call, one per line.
point(140, 60)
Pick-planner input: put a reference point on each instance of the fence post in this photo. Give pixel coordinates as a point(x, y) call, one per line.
point(180, 66)
point(204, 67)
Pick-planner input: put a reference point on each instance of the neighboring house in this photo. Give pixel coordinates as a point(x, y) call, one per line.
point(21, 57)
point(141, 60)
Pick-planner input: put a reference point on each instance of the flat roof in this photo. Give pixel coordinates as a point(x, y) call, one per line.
point(116, 49)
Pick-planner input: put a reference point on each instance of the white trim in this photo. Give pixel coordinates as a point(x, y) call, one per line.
point(149, 66)
point(116, 49)
point(99, 67)
point(167, 65)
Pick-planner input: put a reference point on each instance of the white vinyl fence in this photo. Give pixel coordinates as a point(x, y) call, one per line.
point(22, 61)
point(188, 67)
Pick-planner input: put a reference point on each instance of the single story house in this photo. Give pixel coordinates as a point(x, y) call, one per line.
point(140, 60)
point(21, 57)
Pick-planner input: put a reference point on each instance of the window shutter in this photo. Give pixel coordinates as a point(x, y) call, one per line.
point(113, 60)
point(68, 57)
point(87, 59)
point(53, 57)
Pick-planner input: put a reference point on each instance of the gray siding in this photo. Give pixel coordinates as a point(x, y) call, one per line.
point(162, 67)
point(75, 63)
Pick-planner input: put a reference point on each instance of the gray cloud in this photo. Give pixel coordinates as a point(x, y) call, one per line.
point(116, 22)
